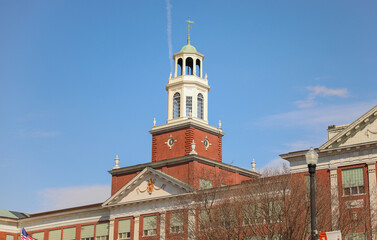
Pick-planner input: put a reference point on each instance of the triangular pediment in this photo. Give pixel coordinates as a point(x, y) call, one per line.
point(149, 184)
point(361, 131)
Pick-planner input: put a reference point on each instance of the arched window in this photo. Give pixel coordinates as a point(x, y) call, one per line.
point(188, 106)
point(176, 105)
point(189, 66)
point(198, 68)
point(200, 105)
point(179, 67)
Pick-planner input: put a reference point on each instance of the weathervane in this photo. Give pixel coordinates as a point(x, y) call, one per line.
point(188, 29)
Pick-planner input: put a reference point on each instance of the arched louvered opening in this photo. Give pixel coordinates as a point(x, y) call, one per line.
point(176, 105)
point(189, 66)
point(198, 67)
point(179, 67)
point(200, 101)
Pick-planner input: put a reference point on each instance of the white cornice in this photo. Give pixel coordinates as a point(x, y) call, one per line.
point(186, 82)
point(184, 123)
point(187, 54)
point(184, 159)
point(63, 212)
point(148, 200)
point(11, 220)
point(331, 151)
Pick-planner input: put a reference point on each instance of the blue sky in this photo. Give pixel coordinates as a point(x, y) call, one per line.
point(81, 81)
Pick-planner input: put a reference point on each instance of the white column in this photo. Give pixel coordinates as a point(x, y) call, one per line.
point(170, 104)
point(334, 198)
point(136, 227)
point(162, 226)
point(195, 104)
point(183, 103)
point(175, 67)
point(184, 65)
point(191, 224)
point(372, 196)
point(194, 66)
point(111, 229)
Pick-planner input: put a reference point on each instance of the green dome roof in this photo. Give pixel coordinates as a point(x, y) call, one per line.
point(188, 48)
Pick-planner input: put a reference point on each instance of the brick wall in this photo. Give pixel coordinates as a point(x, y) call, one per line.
point(182, 146)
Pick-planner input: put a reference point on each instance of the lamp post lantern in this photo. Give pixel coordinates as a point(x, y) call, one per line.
point(312, 160)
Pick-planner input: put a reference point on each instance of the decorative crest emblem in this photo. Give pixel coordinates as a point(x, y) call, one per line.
point(150, 187)
point(369, 131)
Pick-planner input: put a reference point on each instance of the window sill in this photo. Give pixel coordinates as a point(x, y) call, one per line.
point(354, 195)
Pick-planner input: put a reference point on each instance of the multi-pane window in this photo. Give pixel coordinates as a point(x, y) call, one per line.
point(124, 229)
point(38, 235)
point(353, 181)
point(252, 214)
point(150, 226)
point(102, 231)
point(275, 211)
point(203, 219)
point(55, 235)
point(188, 106)
point(200, 105)
point(176, 222)
point(69, 233)
point(176, 105)
point(227, 217)
point(205, 183)
point(87, 232)
point(356, 236)
point(9, 237)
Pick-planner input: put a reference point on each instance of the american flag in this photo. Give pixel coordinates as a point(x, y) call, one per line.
point(25, 236)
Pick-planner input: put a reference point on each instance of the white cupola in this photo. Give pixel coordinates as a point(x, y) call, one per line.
point(188, 90)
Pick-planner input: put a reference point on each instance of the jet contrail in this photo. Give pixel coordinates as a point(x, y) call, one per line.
point(170, 44)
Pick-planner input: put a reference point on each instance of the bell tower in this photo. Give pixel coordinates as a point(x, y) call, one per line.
point(187, 131)
point(188, 89)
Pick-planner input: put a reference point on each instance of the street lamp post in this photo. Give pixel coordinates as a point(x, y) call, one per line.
point(312, 160)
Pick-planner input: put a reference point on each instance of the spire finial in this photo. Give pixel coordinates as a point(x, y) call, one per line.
point(154, 122)
point(188, 29)
point(116, 159)
point(253, 163)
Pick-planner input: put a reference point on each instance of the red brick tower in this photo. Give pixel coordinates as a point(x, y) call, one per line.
point(187, 148)
point(187, 131)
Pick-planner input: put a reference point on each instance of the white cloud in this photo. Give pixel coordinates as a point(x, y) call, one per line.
point(169, 32)
point(320, 91)
point(325, 92)
point(318, 117)
point(66, 197)
point(276, 163)
point(37, 134)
